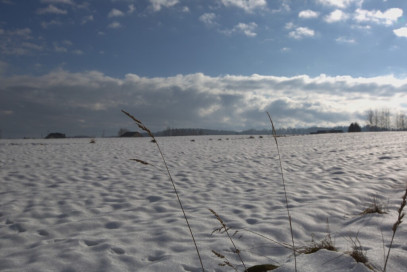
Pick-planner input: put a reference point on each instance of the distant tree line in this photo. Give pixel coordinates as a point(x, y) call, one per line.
point(378, 120)
point(354, 127)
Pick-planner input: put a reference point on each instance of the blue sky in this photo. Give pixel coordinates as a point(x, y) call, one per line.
point(71, 65)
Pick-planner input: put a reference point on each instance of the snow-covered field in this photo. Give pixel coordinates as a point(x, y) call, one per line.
point(68, 205)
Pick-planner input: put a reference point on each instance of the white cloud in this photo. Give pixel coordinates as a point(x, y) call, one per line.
point(196, 100)
point(114, 25)
point(289, 25)
point(87, 19)
point(67, 43)
point(336, 16)
point(401, 32)
point(361, 27)
point(246, 29)
point(132, 8)
point(61, 48)
point(115, 13)
point(345, 40)
point(308, 14)
point(301, 32)
point(50, 23)
point(387, 18)
point(339, 3)
point(51, 9)
point(158, 4)
point(77, 52)
point(67, 2)
point(246, 5)
point(33, 46)
point(18, 42)
point(22, 32)
point(208, 19)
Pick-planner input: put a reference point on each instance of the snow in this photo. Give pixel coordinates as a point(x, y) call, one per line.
point(68, 205)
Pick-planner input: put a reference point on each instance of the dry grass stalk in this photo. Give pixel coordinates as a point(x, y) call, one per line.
point(225, 229)
point(225, 260)
point(374, 207)
point(285, 190)
point(396, 225)
point(285, 245)
point(144, 128)
point(325, 243)
point(357, 251)
point(140, 161)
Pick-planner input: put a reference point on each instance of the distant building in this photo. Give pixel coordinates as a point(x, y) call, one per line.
point(131, 134)
point(55, 135)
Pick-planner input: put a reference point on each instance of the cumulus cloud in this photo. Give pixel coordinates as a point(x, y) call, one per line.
point(114, 25)
point(158, 4)
point(57, 100)
point(77, 52)
point(336, 16)
point(18, 42)
point(387, 17)
point(246, 29)
point(345, 40)
point(24, 33)
point(208, 19)
point(301, 32)
point(132, 8)
point(50, 23)
point(308, 14)
point(339, 3)
point(115, 13)
point(67, 2)
point(87, 19)
point(246, 5)
point(51, 9)
point(401, 32)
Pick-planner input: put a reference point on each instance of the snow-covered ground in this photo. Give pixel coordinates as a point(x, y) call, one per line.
point(68, 205)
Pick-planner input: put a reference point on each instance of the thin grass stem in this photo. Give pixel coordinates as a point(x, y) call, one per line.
point(395, 226)
point(285, 190)
point(144, 128)
point(237, 251)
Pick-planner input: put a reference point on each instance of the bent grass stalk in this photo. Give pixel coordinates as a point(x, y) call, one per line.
point(285, 190)
point(144, 128)
point(225, 228)
point(395, 226)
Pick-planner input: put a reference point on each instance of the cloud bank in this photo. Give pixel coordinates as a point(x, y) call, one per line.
point(90, 102)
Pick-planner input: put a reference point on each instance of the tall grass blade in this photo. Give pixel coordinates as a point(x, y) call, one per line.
point(144, 128)
point(285, 190)
point(237, 251)
point(395, 226)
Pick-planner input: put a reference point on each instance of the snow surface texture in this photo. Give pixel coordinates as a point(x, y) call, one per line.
point(68, 205)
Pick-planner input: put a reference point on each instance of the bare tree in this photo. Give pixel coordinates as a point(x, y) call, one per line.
point(400, 121)
point(385, 117)
point(376, 119)
point(370, 117)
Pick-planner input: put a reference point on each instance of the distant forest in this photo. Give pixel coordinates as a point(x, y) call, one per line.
point(376, 120)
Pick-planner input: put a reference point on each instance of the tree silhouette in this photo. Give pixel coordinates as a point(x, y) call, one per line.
point(354, 127)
